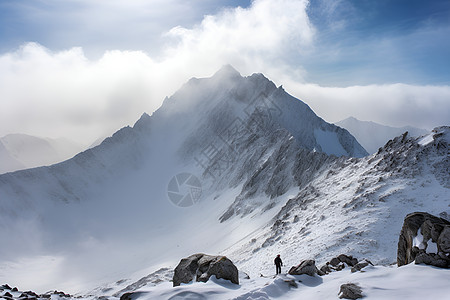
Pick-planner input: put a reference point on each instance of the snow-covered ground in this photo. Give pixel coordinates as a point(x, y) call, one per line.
point(378, 282)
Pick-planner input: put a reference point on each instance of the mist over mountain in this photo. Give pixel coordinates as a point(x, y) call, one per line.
point(228, 164)
point(372, 135)
point(24, 151)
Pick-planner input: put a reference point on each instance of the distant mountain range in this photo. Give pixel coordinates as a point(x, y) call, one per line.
point(22, 151)
point(372, 135)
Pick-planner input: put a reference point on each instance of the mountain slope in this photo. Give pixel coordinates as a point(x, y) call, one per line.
point(353, 206)
point(372, 135)
point(357, 206)
point(128, 203)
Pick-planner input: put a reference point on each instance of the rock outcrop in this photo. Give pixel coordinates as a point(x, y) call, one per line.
point(350, 291)
point(14, 293)
point(200, 267)
point(307, 267)
point(424, 238)
point(361, 265)
point(340, 262)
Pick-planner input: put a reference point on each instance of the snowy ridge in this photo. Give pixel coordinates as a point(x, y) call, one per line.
point(271, 182)
point(357, 206)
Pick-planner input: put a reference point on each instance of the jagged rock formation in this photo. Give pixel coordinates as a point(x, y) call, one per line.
point(424, 239)
point(200, 267)
point(348, 201)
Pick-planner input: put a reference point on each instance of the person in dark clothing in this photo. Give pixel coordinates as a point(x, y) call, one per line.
point(278, 264)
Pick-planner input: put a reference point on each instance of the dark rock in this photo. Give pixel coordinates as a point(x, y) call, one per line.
point(334, 261)
point(8, 295)
point(431, 259)
point(31, 293)
point(126, 296)
point(444, 240)
point(5, 287)
point(307, 267)
point(350, 291)
point(201, 267)
point(361, 265)
point(186, 270)
point(326, 269)
point(348, 259)
point(427, 229)
point(14, 289)
point(340, 262)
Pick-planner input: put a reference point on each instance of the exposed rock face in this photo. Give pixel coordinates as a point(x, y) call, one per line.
point(201, 267)
point(426, 239)
point(350, 291)
point(307, 267)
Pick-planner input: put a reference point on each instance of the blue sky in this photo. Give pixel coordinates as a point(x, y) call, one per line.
point(357, 42)
point(83, 68)
point(385, 40)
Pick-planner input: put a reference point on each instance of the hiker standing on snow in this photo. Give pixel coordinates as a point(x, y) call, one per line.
point(278, 264)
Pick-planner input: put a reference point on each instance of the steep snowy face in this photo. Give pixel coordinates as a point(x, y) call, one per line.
point(230, 100)
point(357, 206)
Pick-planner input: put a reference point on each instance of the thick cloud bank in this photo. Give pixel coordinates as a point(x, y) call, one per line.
point(64, 93)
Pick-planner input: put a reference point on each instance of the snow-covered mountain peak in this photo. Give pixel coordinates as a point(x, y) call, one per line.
point(251, 146)
point(208, 106)
point(226, 72)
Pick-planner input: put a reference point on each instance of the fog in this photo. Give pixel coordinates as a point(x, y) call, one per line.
point(64, 93)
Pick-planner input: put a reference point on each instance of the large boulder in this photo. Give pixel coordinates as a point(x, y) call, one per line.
point(424, 238)
point(200, 267)
point(350, 291)
point(307, 267)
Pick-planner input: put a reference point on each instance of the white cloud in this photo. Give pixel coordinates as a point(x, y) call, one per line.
point(64, 93)
point(390, 104)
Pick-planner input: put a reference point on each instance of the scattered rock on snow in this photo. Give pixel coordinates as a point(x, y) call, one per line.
point(350, 291)
point(201, 267)
point(426, 239)
point(307, 267)
point(348, 259)
point(338, 263)
point(361, 265)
